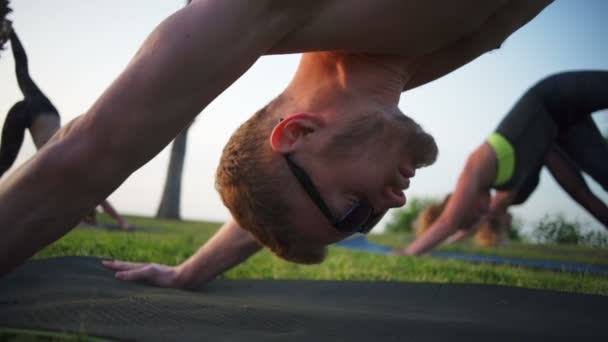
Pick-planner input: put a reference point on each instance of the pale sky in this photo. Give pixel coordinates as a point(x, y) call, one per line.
point(76, 48)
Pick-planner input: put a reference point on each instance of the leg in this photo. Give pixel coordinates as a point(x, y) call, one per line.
point(43, 127)
point(567, 174)
point(13, 132)
point(35, 97)
point(588, 149)
point(571, 97)
point(526, 188)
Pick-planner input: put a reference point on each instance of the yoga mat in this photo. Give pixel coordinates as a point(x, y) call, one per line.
point(360, 242)
point(77, 294)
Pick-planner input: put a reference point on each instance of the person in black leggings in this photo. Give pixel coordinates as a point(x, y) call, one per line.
point(37, 114)
point(550, 126)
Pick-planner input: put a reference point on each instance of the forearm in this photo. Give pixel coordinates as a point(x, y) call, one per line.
point(108, 209)
point(460, 235)
point(431, 238)
point(473, 183)
point(230, 246)
point(44, 199)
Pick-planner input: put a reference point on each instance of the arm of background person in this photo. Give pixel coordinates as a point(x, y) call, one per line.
point(569, 177)
point(461, 235)
point(230, 246)
point(109, 209)
point(477, 176)
point(489, 36)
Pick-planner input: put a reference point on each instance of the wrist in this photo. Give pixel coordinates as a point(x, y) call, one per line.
point(188, 275)
point(182, 277)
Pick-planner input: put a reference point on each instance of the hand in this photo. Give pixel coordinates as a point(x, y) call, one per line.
point(401, 251)
point(127, 227)
point(155, 274)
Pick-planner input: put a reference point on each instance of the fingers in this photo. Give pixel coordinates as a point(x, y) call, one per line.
point(148, 273)
point(155, 274)
point(121, 265)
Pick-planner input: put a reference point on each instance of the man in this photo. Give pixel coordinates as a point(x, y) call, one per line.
point(37, 114)
point(550, 125)
point(198, 52)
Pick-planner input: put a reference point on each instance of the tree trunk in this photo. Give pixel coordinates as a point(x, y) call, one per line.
point(170, 203)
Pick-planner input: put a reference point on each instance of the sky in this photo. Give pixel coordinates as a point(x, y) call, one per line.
point(77, 48)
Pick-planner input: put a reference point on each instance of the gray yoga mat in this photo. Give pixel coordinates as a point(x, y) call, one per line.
point(76, 294)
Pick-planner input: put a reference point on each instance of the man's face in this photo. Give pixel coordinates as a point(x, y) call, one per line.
point(376, 167)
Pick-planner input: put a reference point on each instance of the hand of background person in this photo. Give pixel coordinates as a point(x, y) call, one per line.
point(155, 274)
point(127, 226)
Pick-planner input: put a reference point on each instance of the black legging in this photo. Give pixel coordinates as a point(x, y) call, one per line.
point(572, 97)
point(557, 110)
point(24, 113)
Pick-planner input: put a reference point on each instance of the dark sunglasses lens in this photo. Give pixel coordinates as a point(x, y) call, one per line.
point(355, 218)
point(371, 223)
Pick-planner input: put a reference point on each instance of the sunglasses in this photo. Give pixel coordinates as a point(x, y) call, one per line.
point(360, 218)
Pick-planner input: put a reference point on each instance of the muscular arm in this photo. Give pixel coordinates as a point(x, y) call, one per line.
point(477, 177)
point(229, 247)
point(183, 65)
point(569, 177)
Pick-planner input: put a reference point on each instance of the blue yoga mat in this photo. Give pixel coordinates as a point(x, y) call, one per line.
point(360, 242)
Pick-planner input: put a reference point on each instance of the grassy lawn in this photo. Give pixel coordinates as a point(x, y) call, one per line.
point(172, 242)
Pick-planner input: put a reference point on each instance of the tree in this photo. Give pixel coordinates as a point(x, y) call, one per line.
point(171, 201)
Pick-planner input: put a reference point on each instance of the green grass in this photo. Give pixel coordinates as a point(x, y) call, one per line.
point(171, 242)
point(571, 253)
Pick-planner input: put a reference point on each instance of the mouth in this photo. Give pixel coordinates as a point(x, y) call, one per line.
point(398, 196)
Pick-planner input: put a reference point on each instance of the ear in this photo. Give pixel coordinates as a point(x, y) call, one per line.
point(288, 133)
